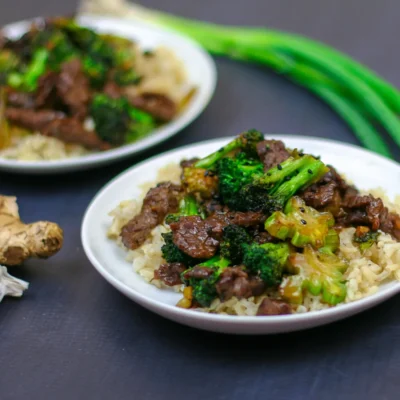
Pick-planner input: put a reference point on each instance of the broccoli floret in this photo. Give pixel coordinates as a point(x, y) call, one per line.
point(27, 80)
point(204, 289)
point(200, 181)
point(117, 122)
point(87, 41)
point(271, 191)
point(315, 272)
point(171, 253)
point(9, 62)
point(187, 206)
point(232, 245)
point(96, 71)
point(267, 260)
point(364, 237)
point(234, 174)
point(247, 141)
point(302, 224)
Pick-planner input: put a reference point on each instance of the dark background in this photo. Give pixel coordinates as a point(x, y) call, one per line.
point(72, 336)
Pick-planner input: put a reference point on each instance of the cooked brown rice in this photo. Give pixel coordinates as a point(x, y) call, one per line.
point(366, 272)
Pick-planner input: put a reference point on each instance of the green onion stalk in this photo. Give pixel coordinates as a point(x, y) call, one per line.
point(357, 94)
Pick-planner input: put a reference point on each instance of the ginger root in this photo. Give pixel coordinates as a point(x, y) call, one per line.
point(19, 241)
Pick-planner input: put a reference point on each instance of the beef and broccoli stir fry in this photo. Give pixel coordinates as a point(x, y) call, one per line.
point(68, 82)
point(258, 218)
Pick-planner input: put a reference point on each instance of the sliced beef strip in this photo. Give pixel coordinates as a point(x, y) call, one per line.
point(170, 274)
point(189, 163)
point(19, 99)
point(112, 90)
point(158, 105)
point(327, 193)
point(56, 124)
point(272, 153)
point(31, 119)
point(213, 205)
point(159, 201)
point(200, 238)
point(191, 235)
point(46, 94)
point(235, 282)
point(273, 307)
point(71, 130)
point(199, 272)
point(73, 88)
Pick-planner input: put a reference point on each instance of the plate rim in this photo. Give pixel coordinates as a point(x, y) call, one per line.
point(186, 118)
point(342, 311)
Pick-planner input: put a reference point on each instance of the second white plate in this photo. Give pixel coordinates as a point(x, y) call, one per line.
point(200, 69)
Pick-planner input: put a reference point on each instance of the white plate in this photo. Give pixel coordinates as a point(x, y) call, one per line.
point(200, 69)
point(367, 170)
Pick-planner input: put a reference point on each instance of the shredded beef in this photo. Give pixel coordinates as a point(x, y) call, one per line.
point(159, 201)
point(235, 282)
point(273, 307)
point(272, 153)
point(170, 274)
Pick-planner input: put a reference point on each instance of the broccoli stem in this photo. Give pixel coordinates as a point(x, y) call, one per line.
point(35, 69)
point(216, 261)
point(308, 174)
point(212, 158)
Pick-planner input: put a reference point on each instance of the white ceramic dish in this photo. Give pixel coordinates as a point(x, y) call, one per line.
point(366, 169)
point(201, 73)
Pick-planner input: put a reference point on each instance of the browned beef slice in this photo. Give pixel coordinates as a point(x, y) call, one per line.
point(31, 119)
point(272, 153)
point(189, 163)
point(219, 220)
point(327, 193)
point(159, 201)
point(73, 88)
point(46, 93)
point(170, 274)
point(71, 130)
point(234, 281)
point(158, 105)
point(213, 205)
point(20, 99)
point(199, 272)
point(192, 236)
point(273, 307)
point(262, 237)
point(200, 238)
point(112, 90)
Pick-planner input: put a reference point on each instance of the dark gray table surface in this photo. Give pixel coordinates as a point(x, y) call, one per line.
point(72, 336)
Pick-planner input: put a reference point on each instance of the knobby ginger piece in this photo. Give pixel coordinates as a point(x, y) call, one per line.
point(9, 285)
point(19, 241)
